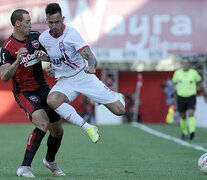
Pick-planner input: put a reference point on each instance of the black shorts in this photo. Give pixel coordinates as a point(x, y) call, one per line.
point(31, 101)
point(186, 103)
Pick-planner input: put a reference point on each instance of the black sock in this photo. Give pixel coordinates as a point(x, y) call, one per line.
point(33, 144)
point(53, 145)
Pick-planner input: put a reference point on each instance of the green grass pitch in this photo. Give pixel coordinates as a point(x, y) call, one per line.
point(123, 152)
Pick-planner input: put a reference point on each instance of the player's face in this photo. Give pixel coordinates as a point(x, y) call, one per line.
point(55, 23)
point(185, 64)
point(25, 25)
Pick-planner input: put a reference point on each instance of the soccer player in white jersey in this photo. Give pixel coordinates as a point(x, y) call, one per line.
point(74, 66)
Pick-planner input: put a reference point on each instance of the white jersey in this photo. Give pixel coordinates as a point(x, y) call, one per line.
point(63, 51)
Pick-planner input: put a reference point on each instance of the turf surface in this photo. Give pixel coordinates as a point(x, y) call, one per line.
point(123, 152)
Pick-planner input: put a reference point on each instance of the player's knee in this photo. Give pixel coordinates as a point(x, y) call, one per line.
point(52, 101)
point(56, 129)
point(58, 133)
point(191, 113)
point(55, 99)
point(43, 125)
point(182, 115)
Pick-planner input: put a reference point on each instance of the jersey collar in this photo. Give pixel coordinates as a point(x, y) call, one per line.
point(18, 39)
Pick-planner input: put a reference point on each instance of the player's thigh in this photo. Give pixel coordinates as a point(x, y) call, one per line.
point(52, 115)
point(62, 91)
point(181, 103)
point(191, 103)
point(56, 98)
point(30, 102)
point(34, 103)
point(96, 90)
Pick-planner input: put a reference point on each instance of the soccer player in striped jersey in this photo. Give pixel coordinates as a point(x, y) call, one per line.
point(19, 63)
point(74, 65)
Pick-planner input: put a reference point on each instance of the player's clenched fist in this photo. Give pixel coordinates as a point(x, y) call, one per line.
point(41, 55)
point(90, 69)
point(21, 53)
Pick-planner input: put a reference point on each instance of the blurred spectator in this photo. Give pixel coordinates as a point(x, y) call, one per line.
point(168, 90)
point(130, 108)
point(87, 110)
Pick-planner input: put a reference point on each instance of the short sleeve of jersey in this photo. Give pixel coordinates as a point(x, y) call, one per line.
point(175, 77)
point(76, 39)
point(5, 57)
point(197, 77)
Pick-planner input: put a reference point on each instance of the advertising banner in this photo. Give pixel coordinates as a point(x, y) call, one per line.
point(122, 31)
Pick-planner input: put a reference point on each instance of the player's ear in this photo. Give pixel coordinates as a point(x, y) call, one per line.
point(63, 18)
point(17, 23)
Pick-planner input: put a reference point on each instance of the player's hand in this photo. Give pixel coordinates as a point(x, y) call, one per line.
point(50, 71)
point(21, 53)
point(41, 55)
point(90, 69)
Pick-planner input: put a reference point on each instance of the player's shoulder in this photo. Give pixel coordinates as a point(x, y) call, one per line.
point(8, 48)
point(44, 34)
point(8, 43)
point(71, 30)
point(34, 34)
point(178, 71)
point(193, 70)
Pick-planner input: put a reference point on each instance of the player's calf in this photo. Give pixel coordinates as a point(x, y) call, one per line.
point(116, 108)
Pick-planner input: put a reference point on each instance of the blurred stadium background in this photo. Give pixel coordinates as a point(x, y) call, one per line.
point(135, 41)
point(138, 45)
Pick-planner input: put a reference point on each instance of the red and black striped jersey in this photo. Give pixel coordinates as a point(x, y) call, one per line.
point(29, 75)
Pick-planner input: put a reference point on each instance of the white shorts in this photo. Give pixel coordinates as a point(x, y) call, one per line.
point(86, 84)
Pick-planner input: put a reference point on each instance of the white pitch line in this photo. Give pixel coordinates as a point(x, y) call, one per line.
point(165, 136)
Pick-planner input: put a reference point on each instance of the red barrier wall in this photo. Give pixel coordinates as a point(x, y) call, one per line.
point(154, 106)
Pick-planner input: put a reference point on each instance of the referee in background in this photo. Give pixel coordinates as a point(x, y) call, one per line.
point(186, 80)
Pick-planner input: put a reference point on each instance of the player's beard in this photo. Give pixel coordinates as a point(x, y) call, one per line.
point(56, 32)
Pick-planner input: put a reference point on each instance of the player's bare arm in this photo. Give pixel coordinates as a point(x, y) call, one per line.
point(87, 54)
point(8, 70)
point(173, 93)
point(41, 55)
point(173, 88)
point(202, 89)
